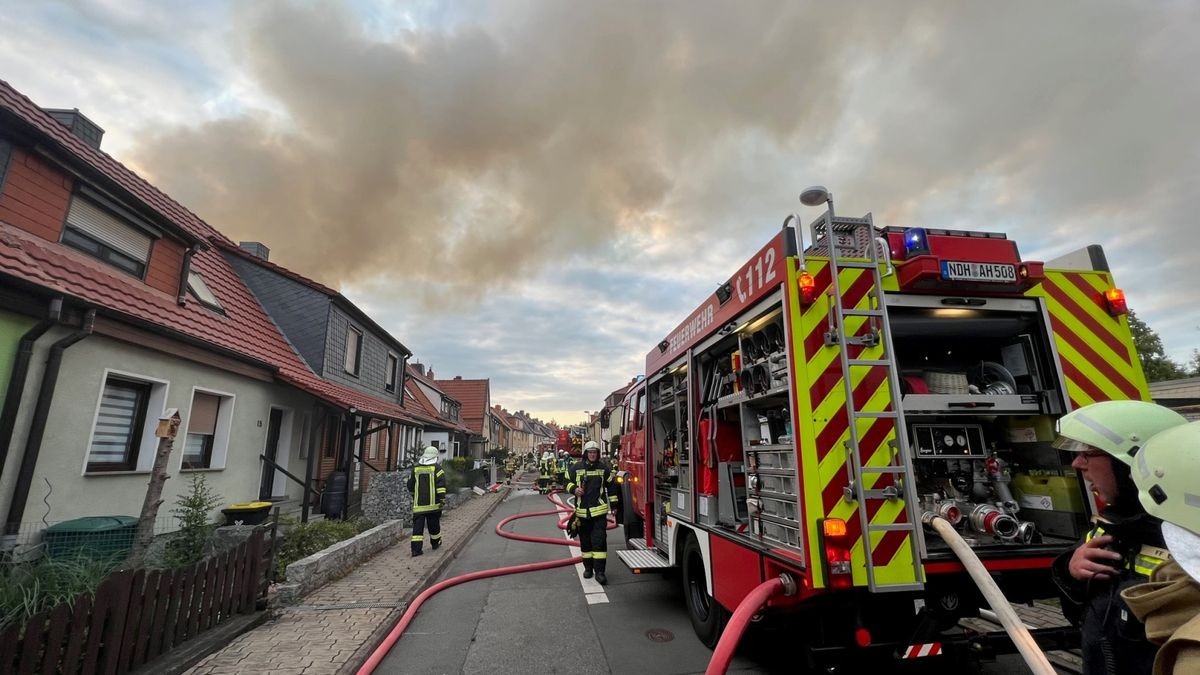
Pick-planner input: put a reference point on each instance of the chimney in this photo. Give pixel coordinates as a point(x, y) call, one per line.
point(458, 377)
point(418, 366)
point(84, 129)
point(256, 249)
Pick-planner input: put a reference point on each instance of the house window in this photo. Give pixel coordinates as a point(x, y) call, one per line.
point(5, 153)
point(102, 235)
point(354, 338)
point(120, 423)
point(208, 431)
point(373, 444)
point(390, 369)
point(201, 292)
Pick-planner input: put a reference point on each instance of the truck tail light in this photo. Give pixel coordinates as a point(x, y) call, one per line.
point(808, 288)
point(835, 539)
point(1116, 302)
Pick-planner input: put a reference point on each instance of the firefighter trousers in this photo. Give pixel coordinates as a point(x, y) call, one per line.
point(432, 519)
point(593, 542)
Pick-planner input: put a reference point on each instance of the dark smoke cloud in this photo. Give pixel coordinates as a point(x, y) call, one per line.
point(483, 152)
point(522, 134)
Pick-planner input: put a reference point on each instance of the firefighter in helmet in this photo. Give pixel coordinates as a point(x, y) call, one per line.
point(592, 482)
point(1125, 544)
point(1170, 604)
point(545, 472)
point(427, 485)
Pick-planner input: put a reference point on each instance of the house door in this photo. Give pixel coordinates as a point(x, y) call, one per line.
point(272, 453)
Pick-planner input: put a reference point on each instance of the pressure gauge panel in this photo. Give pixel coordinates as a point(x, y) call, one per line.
point(948, 440)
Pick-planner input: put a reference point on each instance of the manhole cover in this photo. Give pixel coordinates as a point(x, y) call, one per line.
point(660, 635)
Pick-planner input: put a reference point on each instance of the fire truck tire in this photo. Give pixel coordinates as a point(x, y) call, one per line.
point(635, 527)
point(707, 615)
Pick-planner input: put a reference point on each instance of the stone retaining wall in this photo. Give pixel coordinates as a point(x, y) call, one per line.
point(308, 574)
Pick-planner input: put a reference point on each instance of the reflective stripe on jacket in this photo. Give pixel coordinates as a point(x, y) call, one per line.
point(595, 479)
point(1147, 559)
point(427, 484)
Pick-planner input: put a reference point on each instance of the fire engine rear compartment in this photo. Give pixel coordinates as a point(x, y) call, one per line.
point(981, 392)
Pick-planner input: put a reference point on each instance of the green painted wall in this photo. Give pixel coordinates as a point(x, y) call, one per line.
point(12, 327)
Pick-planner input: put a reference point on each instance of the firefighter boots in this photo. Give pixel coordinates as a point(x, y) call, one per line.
point(587, 569)
point(599, 566)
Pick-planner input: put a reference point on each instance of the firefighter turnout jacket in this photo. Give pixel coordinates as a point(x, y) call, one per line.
point(427, 485)
point(599, 488)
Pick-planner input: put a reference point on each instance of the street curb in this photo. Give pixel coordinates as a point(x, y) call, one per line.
point(364, 652)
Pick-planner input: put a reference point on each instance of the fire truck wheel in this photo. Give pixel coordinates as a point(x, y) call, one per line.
point(635, 528)
point(707, 615)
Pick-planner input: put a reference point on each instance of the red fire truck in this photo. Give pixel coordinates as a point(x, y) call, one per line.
point(807, 416)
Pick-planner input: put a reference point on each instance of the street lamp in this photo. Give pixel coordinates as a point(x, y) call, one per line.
point(815, 196)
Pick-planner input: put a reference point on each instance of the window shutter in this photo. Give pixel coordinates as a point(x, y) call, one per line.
point(98, 223)
point(115, 424)
point(203, 419)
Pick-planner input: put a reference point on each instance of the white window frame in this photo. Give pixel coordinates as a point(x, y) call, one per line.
point(220, 451)
point(394, 372)
point(156, 404)
point(358, 356)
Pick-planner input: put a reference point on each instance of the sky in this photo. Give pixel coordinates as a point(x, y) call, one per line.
point(537, 192)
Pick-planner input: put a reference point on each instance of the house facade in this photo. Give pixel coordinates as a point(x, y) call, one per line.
point(474, 398)
point(118, 305)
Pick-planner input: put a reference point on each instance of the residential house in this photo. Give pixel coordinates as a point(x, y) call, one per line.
point(501, 430)
point(440, 413)
point(117, 304)
point(1182, 395)
point(475, 399)
point(343, 345)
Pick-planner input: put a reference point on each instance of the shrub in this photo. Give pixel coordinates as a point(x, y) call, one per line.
point(304, 539)
point(192, 509)
point(455, 470)
point(28, 588)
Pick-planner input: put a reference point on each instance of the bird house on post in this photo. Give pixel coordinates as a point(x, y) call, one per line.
point(168, 424)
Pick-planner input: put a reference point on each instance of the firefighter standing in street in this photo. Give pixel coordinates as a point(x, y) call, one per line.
point(427, 485)
point(1124, 546)
point(592, 482)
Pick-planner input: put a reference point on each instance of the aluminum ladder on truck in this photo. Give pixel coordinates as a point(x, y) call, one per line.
point(857, 234)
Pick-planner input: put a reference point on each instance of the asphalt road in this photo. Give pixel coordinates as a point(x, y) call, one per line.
point(551, 621)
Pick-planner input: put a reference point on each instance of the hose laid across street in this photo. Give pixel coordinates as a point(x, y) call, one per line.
point(410, 612)
point(746, 609)
point(1026, 645)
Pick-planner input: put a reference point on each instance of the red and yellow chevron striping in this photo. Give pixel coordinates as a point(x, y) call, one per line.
point(1095, 349)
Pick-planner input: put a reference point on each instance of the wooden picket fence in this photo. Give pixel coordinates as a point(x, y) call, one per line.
point(136, 616)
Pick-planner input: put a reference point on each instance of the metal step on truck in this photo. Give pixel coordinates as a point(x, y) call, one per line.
point(830, 395)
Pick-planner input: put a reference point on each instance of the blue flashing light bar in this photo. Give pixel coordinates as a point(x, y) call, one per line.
point(916, 241)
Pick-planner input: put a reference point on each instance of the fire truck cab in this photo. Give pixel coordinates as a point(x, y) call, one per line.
point(828, 398)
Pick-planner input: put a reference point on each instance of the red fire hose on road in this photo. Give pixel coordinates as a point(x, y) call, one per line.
point(411, 612)
point(750, 605)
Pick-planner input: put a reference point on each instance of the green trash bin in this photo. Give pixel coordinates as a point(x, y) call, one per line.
point(92, 537)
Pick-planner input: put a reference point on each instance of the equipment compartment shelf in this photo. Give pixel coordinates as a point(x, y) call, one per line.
point(741, 397)
point(972, 404)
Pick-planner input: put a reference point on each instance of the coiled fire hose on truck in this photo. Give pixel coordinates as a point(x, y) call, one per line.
point(1026, 645)
point(410, 613)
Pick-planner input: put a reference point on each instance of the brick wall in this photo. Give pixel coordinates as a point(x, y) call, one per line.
point(35, 196)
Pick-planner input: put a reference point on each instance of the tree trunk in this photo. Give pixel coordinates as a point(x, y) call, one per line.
point(145, 528)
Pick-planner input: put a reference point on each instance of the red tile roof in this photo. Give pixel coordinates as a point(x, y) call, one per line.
point(419, 405)
point(472, 395)
point(244, 329)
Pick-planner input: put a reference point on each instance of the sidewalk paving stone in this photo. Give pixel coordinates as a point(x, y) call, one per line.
point(334, 626)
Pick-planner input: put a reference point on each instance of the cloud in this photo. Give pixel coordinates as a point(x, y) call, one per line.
point(607, 164)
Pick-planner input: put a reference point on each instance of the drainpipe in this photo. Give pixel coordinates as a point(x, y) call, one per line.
point(20, 372)
point(37, 427)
